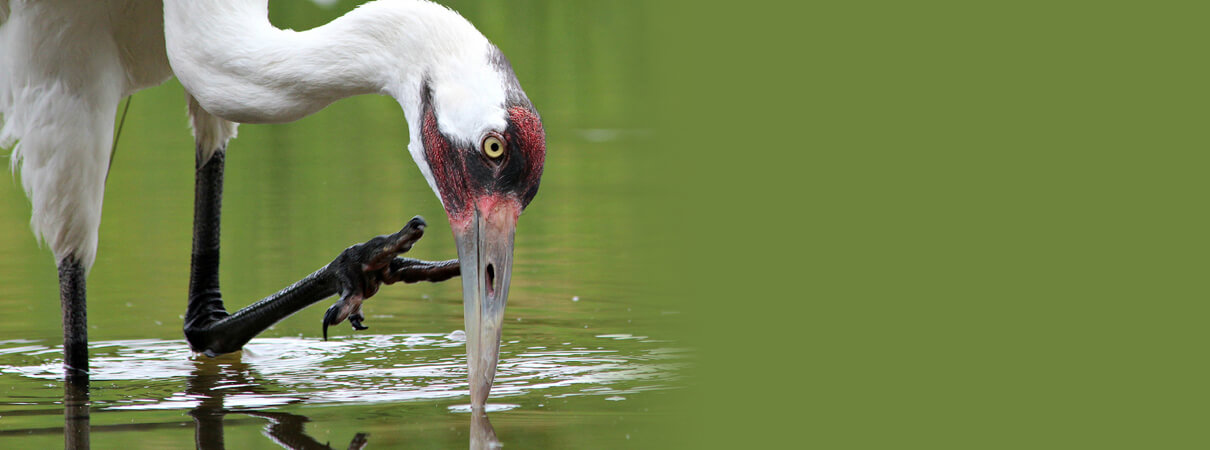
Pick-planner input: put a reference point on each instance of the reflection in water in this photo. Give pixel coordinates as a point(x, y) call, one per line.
point(148, 373)
point(144, 381)
point(207, 383)
point(483, 435)
point(213, 379)
point(287, 431)
point(75, 411)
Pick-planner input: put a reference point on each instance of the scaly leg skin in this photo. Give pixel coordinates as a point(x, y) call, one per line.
point(356, 275)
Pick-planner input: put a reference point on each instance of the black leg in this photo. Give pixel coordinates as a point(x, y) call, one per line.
point(72, 291)
point(355, 274)
point(75, 318)
point(205, 300)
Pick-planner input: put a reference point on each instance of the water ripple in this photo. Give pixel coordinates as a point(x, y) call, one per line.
point(150, 374)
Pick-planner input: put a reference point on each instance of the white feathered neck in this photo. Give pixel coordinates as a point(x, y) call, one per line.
point(242, 68)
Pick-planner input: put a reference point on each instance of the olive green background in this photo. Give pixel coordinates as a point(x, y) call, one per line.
point(941, 224)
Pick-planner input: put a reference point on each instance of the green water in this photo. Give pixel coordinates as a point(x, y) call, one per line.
point(586, 360)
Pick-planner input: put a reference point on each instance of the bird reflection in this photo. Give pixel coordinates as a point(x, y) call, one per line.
point(75, 411)
point(483, 435)
point(213, 379)
point(211, 382)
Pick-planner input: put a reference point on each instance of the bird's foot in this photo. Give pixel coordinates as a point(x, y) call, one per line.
point(362, 268)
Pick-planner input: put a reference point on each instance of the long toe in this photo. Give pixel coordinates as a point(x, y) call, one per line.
point(386, 248)
point(355, 320)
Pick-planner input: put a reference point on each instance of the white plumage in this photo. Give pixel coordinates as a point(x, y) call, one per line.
point(66, 64)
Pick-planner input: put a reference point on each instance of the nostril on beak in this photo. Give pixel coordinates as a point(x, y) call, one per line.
point(491, 279)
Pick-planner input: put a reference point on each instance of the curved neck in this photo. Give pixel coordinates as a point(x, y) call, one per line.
point(241, 68)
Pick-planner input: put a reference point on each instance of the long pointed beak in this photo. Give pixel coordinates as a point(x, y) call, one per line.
point(485, 254)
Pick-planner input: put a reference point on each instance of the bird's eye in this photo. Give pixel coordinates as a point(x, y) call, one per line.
point(493, 147)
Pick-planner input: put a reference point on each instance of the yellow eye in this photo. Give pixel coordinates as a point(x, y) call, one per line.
point(493, 147)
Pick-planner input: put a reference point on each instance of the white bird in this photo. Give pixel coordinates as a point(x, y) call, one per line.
point(66, 64)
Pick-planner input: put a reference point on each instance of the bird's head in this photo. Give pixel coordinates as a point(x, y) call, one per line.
point(482, 148)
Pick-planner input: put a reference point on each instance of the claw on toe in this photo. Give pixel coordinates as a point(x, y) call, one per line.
point(355, 320)
point(339, 311)
point(330, 318)
point(346, 307)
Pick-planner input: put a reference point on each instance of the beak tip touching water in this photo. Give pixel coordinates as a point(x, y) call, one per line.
point(485, 252)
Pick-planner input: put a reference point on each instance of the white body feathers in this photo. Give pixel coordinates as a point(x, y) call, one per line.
point(66, 64)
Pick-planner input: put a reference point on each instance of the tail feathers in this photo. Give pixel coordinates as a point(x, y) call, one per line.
point(210, 133)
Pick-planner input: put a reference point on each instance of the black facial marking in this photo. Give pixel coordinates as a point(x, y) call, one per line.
point(462, 169)
point(513, 164)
